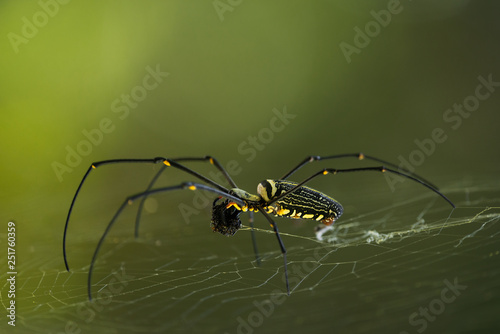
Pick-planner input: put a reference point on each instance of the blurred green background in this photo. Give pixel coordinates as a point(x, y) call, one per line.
point(225, 70)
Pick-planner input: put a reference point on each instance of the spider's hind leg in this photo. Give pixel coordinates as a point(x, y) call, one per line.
point(254, 238)
point(282, 246)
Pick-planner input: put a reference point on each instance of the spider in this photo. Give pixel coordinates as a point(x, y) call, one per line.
point(280, 197)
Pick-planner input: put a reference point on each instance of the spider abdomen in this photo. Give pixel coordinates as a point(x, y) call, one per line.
point(305, 202)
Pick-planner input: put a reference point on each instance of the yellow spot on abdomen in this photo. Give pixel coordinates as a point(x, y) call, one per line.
point(282, 212)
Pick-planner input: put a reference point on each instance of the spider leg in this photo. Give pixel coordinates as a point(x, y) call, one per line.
point(143, 200)
point(166, 162)
point(129, 200)
point(333, 171)
point(91, 167)
point(254, 239)
point(282, 246)
point(359, 156)
point(208, 158)
point(214, 162)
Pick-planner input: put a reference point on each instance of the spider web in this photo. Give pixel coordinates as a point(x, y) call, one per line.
point(388, 269)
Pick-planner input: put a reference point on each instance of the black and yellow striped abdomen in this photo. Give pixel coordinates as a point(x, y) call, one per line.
point(305, 202)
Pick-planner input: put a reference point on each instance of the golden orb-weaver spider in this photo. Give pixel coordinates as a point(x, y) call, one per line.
point(279, 197)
